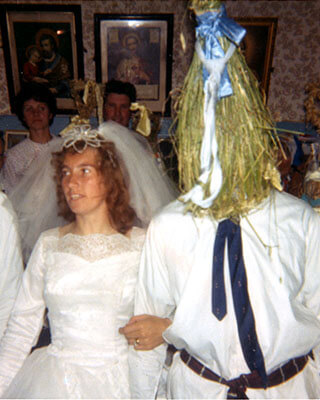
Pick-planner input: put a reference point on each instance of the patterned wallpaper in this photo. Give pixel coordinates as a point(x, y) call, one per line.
point(296, 57)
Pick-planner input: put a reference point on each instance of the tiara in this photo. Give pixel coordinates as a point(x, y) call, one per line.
point(84, 133)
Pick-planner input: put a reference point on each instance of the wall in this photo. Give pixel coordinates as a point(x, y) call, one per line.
point(296, 58)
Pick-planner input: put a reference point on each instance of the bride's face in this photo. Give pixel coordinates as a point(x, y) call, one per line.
point(83, 184)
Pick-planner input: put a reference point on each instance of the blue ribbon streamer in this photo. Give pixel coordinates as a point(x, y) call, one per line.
point(211, 26)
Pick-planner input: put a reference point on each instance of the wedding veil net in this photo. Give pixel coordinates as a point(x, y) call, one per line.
point(150, 189)
point(34, 199)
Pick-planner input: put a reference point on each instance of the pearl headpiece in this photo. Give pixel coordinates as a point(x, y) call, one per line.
point(83, 133)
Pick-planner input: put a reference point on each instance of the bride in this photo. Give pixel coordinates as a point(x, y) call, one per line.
point(84, 273)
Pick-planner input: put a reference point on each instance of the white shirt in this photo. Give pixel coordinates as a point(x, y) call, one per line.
point(11, 267)
point(282, 259)
point(18, 160)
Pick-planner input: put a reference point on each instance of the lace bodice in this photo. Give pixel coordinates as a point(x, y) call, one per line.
point(96, 246)
point(89, 288)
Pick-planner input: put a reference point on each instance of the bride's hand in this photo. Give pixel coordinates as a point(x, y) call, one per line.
point(145, 331)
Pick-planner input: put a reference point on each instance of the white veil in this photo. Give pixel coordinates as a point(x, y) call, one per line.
point(34, 199)
point(149, 188)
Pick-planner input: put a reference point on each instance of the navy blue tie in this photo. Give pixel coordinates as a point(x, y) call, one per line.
point(227, 230)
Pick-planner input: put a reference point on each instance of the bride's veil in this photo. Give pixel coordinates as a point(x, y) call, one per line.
point(34, 199)
point(150, 189)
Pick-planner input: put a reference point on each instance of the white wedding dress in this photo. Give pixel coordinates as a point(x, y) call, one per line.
point(87, 283)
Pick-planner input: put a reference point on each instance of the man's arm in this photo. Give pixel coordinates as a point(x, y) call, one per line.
point(153, 297)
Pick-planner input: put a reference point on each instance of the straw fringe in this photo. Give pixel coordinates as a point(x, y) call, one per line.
point(245, 134)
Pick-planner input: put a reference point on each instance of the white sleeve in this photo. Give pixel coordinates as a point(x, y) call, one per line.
point(153, 296)
point(11, 266)
point(26, 319)
point(311, 287)
point(310, 291)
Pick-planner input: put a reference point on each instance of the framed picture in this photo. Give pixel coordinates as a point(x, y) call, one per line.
point(43, 43)
point(258, 47)
point(136, 49)
point(13, 137)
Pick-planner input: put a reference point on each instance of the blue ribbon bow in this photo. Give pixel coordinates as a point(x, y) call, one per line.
point(211, 26)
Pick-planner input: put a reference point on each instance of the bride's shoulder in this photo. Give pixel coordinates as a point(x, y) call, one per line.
point(49, 235)
point(46, 241)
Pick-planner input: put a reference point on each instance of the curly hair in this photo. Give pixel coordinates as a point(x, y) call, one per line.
point(122, 215)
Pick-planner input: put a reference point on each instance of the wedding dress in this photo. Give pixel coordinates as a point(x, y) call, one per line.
point(87, 283)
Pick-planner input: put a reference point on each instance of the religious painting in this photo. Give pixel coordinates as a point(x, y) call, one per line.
point(13, 137)
point(136, 49)
point(43, 44)
point(258, 47)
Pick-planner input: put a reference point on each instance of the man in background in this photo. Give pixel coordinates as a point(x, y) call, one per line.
point(118, 97)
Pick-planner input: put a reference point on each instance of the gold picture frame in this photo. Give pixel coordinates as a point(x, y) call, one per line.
point(258, 46)
point(25, 28)
point(136, 49)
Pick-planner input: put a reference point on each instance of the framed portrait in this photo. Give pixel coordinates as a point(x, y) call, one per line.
point(43, 44)
point(136, 49)
point(258, 47)
point(13, 137)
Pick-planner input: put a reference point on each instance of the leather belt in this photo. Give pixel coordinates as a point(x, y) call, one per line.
point(238, 386)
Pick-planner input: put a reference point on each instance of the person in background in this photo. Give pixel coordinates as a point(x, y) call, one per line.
point(36, 108)
point(118, 98)
point(11, 266)
point(26, 176)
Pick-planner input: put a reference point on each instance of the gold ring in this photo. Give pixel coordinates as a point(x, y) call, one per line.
point(137, 341)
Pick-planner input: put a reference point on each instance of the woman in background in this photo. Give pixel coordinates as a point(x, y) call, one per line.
point(36, 108)
point(26, 176)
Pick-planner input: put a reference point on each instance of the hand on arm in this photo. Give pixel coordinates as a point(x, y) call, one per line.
point(145, 331)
